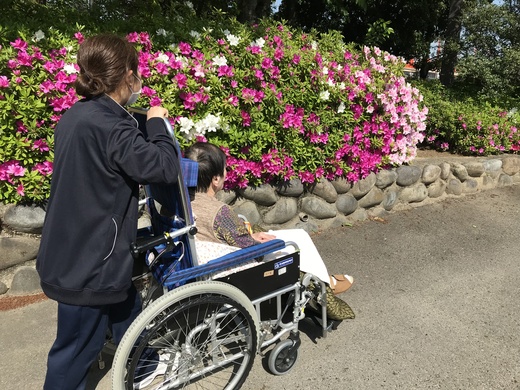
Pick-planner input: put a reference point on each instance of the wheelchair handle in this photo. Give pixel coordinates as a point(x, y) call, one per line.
point(145, 244)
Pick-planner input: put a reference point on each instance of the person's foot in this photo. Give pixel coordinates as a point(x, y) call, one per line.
point(340, 283)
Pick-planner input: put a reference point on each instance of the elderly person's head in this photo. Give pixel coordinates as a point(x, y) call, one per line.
point(212, 166)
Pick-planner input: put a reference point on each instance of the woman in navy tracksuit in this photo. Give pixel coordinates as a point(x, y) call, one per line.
point(100, 159)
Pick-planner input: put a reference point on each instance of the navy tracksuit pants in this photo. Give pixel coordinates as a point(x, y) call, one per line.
point(80, 337)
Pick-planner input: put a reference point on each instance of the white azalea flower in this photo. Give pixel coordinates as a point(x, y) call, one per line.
point(314, 45)
point(260, 42)
point(211, 122)
point(161, 31)
point(331, 82)
point(342, 86)
point(325, 70)
point(324, 95)
point(163, 58)
point(189, 4)
point(219, 61)
point(186, 125)
point(341, 108)
point(38, 36)
point(200, 127)
point(195, 34)
point(226, 32)
point(70, 69)
point(232, 39)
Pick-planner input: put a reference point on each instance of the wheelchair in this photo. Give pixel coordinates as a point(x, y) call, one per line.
point(196, 331)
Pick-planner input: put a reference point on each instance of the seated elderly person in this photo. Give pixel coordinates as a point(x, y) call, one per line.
point(217, 223)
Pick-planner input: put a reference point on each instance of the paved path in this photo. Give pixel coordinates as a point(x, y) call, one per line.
point(436, 296)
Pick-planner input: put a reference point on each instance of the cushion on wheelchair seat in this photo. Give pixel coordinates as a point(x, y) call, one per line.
point(230, 260)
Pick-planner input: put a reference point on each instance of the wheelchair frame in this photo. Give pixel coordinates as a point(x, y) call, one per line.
point(193, 329)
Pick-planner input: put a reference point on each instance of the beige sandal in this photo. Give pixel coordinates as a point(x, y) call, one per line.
point(340, 283)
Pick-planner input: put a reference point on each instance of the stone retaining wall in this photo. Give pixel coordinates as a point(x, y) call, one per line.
point(292, 205)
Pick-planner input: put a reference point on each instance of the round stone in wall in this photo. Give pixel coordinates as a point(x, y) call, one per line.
point(436, 188)
point(17, 250)
point(454, 187)
point(385, 178)
point(249, 210)
point(413, 194)
point(492, 165)
point(263, 195)
point(374, 197)
point(511, 165)
point(318, 208)
point(293, 187)
point(459, 171)
point(283, 211)
point(325, 190)
point(341, 185)
point(470, 186)
point(346, 204)
point(26, 219)
point(391, 197)
point(504, 180)
point(408, 175)
point(475, 168)
point(25, 281)
point(363, 186)
point(430, 173)
point(445, 170)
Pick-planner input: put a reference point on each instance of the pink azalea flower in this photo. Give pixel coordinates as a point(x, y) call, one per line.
point(19, 44)
point(40, 145)
point(4, 82)
point(79, 37)
point(44, 168)
point(20, 190)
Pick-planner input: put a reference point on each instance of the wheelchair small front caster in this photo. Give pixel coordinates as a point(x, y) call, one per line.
point(283, 357)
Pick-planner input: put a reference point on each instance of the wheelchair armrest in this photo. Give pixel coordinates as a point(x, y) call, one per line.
point(232, 259)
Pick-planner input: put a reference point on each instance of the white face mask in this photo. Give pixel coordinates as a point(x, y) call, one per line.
point(135, 95)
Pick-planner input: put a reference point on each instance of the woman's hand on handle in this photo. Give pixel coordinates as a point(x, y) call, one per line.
point(263, 237)
point(157, 112)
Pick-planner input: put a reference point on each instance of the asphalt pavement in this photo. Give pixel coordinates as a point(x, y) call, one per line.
point(436, 297)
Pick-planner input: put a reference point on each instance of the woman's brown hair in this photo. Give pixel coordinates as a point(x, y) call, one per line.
point(104, 61)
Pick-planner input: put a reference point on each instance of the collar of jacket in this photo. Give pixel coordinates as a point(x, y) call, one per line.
point(117, 108)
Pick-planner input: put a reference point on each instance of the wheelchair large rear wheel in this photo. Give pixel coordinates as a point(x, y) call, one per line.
point(201, 335)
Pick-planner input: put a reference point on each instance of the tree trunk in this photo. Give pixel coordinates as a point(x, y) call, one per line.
point(253, 10)
point(451, 43)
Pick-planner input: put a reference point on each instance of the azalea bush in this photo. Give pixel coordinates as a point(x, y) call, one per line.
point(282, 104)
point(460, 124)
point(36, 77)
point(285, 104)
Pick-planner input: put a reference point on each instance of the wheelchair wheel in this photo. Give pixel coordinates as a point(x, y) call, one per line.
point(201, 335)
point(283, 357)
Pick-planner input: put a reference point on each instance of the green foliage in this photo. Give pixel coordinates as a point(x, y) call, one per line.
point(462, 124)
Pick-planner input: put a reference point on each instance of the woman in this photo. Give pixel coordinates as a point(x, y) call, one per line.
point(100, 158)
point(217, 222)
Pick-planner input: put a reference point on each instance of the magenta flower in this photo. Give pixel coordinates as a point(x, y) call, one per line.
point(4, 82)
point(19, 44)
point(40, 145)
point(44, 168)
